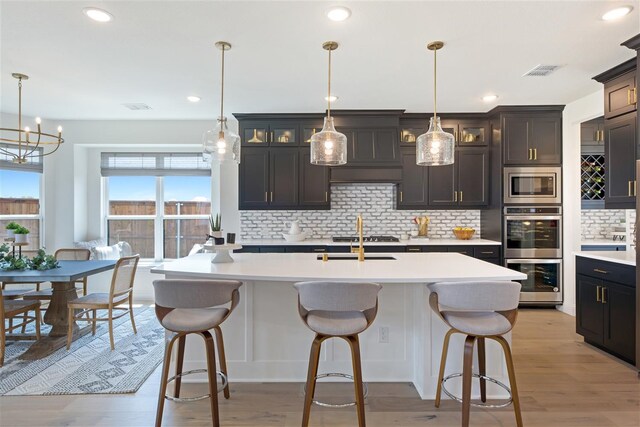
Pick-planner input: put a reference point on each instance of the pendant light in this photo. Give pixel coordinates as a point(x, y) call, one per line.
point(436, 147)
point(221, 144)
point(329, 147)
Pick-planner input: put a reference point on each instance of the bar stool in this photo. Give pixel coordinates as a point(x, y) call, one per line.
point(340, 310)
point(479, 310)
point(193, 307)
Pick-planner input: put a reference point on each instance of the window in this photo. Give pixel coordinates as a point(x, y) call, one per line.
point(21, 195)
point(157, 202)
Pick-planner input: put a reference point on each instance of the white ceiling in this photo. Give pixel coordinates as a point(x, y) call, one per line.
point(158, 52)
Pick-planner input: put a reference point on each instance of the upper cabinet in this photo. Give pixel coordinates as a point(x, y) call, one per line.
point(269, 133)
point(532, 138)
point(620, 95)
point(468, 133)
point(371, 146)
point(592, 133)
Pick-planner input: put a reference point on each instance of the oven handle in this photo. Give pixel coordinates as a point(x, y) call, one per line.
point(525, 218)
point(533, 261)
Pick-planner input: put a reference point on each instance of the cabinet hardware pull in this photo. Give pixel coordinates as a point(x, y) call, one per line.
point(401, 197)
point(326, 196)
point(597, 135)
point(265, 196)
point(597, 270)
point(487, 252)
point(460, 195)
point(455, 196)
point(629, 97)
point(414, 250)
point(535, 154)
point(604, 295)
point(629, 189)
point(635, 95)
point(272, 197)
point(598, 289)
point(530, 154)
point(318, 250)
point(635, 187)
point(455, 136)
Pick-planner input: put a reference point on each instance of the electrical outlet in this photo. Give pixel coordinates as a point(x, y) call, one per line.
point(383, 335)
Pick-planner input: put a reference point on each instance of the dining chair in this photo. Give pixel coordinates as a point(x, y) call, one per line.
point(479, 310)
point(121, 291)
point(10, 309)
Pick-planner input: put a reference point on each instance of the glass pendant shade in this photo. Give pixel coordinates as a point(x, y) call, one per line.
point(221, 144)
point(328, 147)
point(436, 147)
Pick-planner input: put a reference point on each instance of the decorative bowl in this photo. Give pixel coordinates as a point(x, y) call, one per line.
point(294, 237)
point(464, 233)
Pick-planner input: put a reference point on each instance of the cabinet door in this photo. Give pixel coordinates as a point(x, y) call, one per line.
point(283, 177)
point(516, 132)
point(473, 176)
point(473, 133)
point(619, 96)
point(314, 182)
point(254, 178)
point(385, 146)
point(589, 311)
point(546, 140)
point(592, 132)
point(620, 319)
point(412, 191)
point(254, 133)
point(620, 155)
point(283, 134)
point(441, 185)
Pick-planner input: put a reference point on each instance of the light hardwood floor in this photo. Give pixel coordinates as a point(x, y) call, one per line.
point(563, 382)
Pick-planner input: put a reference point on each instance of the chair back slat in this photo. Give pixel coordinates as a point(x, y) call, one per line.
point(124, 275)
point(338, 296)
point(188, 293)
point(72, 254)
point(480, 296)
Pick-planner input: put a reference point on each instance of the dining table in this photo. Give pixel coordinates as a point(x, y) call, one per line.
point(63, 283)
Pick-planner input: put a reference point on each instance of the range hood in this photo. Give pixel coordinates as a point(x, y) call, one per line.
point(365, 174)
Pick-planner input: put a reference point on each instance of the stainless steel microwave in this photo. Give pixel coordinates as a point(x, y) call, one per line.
point(533, 185)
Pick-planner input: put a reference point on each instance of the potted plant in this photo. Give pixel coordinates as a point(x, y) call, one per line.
point(216, 226)
point(11, 227)
point(21, 234)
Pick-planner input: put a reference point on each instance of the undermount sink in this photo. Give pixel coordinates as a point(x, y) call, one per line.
point(354, 257)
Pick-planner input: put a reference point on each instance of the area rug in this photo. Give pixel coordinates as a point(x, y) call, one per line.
point(90, 367)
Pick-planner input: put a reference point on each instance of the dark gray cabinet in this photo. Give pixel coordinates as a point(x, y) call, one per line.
point(532, 139)
point(254, 178)
point(592, 133)
point(261, 133)
point(314, 183)
point(465, 183)
point(268, 178)
point(620, 156)
point(605, 306)
point(620, 95)
point(371, 146)
point(412, 191)
point(283, 177)
point(467, 133)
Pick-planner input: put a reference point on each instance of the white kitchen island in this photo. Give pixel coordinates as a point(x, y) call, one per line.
point(265, 340)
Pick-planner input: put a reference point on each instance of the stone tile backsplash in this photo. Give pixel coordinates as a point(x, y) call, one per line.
point(599, 223)
point(376, 203)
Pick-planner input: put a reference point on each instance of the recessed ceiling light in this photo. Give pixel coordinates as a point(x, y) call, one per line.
point(489, 98)
point(98, 15)
point(193, 98)
point(338, 13)
point(617, 13)
point(331, 98)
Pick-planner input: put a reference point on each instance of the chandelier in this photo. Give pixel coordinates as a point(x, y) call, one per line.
point(23, 144)
point(221, 144)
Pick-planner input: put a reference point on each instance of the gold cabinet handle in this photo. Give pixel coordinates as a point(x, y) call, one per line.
point(604, 295)
point(401, 197)
point(265, 196)
point(530, 154)
point(629, 189)
point(635, 95)
point(631, 99)
point(272, 197)
point(326, 196)
point(414, 250)
point(597, 270)
point(455, 196)
point(318, 249)
point(271, 137)
point(635, 187)
point(487, 252)
point(455, 136)
point(535, 154)
point(598, 289)
point(461, 195)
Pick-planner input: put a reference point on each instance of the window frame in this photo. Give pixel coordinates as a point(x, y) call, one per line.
point(41, 210)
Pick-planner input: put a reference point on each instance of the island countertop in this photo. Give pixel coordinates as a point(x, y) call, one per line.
point(292, 267)
point(407, 242)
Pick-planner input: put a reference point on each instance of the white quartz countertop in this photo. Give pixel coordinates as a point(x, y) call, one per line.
point(409, 242)
point(620, 257)
point(603, 242)
point(294, 267)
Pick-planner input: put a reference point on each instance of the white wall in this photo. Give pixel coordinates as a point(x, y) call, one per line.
point(581, 110)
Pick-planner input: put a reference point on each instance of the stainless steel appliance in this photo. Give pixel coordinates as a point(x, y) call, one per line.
point(533, 232)
point(543, 284)
point(533, 185)
point(350, 239)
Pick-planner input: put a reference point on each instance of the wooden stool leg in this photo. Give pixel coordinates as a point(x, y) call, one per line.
point(314, 359)
point(467, 371)
point(166, 363)
point(70, 327)
point(37, 323)
point(512, 378)
point(443, 363)
point(222, 357)
point(482, 368)
point(110, 314)
point(25, 318)
point(133, 322)
point(354, 343)
point(179, 363)
point(213, 377)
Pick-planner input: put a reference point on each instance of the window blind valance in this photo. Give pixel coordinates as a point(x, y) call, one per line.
point(154, 164)
point(33, 164)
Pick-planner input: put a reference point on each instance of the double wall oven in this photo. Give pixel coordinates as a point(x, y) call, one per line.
point(533, 245)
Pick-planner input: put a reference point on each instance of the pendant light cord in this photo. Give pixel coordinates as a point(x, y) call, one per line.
point(329, 88)
point(435, 70)
point(222, 87)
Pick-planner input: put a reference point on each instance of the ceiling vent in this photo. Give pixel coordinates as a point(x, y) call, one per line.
point(541, 70)
point(137, 106)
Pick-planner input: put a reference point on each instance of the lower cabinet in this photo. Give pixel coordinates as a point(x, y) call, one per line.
point(605, 309)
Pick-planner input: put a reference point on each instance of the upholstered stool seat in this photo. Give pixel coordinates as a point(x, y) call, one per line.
point(480, 310)
point(336, 323)
point(185, 306)
point(477, 322)
point(340, 310)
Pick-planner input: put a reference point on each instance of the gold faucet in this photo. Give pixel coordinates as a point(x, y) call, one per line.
point(359, 230)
